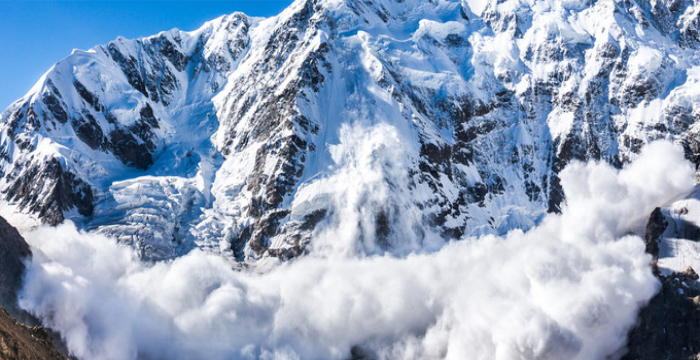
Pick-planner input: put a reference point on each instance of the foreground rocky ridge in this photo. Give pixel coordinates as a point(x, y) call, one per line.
point(667, 327)
point(18, 341)
point(209, 136)
point(13, 252)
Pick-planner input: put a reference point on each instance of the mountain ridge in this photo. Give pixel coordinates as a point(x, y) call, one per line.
point(209, 136)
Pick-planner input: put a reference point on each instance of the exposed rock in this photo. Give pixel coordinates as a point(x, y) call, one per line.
point(129, 150)
point(655, 228)
point(668, 326)
point(13, 251)
point(88, 131)
point(48, 190)
point(19, 342)
point(21, 337)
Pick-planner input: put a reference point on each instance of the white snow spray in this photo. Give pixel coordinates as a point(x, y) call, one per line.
point(569, 288)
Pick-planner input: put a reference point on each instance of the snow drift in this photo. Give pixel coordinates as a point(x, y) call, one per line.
point(569, 288)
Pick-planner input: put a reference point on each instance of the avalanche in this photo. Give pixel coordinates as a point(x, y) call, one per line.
point(569, 288)
point(401, 179)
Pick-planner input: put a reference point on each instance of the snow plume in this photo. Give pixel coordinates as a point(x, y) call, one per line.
point(569, 288)
point(368, 197)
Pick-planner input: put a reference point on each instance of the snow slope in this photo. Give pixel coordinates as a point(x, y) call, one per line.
point(247, 135)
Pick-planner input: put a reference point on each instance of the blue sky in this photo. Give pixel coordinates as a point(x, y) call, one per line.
point(36, 34)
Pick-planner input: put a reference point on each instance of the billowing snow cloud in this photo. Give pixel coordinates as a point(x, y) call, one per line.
point(569, 288)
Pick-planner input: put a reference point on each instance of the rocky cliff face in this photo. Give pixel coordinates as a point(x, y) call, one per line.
point(225, 138)
point(668, 325)
point(17, 341)
point(13, 251)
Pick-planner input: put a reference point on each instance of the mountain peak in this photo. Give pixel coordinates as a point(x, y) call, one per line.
point(226, 124)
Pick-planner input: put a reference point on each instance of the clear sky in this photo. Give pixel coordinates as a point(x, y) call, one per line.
point(36, 34)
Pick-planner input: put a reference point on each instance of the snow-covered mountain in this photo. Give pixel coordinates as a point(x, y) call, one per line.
point(245, 136)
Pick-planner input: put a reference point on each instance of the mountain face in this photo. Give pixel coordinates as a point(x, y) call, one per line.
point(247, 135)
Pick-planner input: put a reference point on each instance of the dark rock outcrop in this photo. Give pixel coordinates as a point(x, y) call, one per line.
point(668, 327)
point(13, 251)
point(18, 341)
point(48, 190)
point(655, 228)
